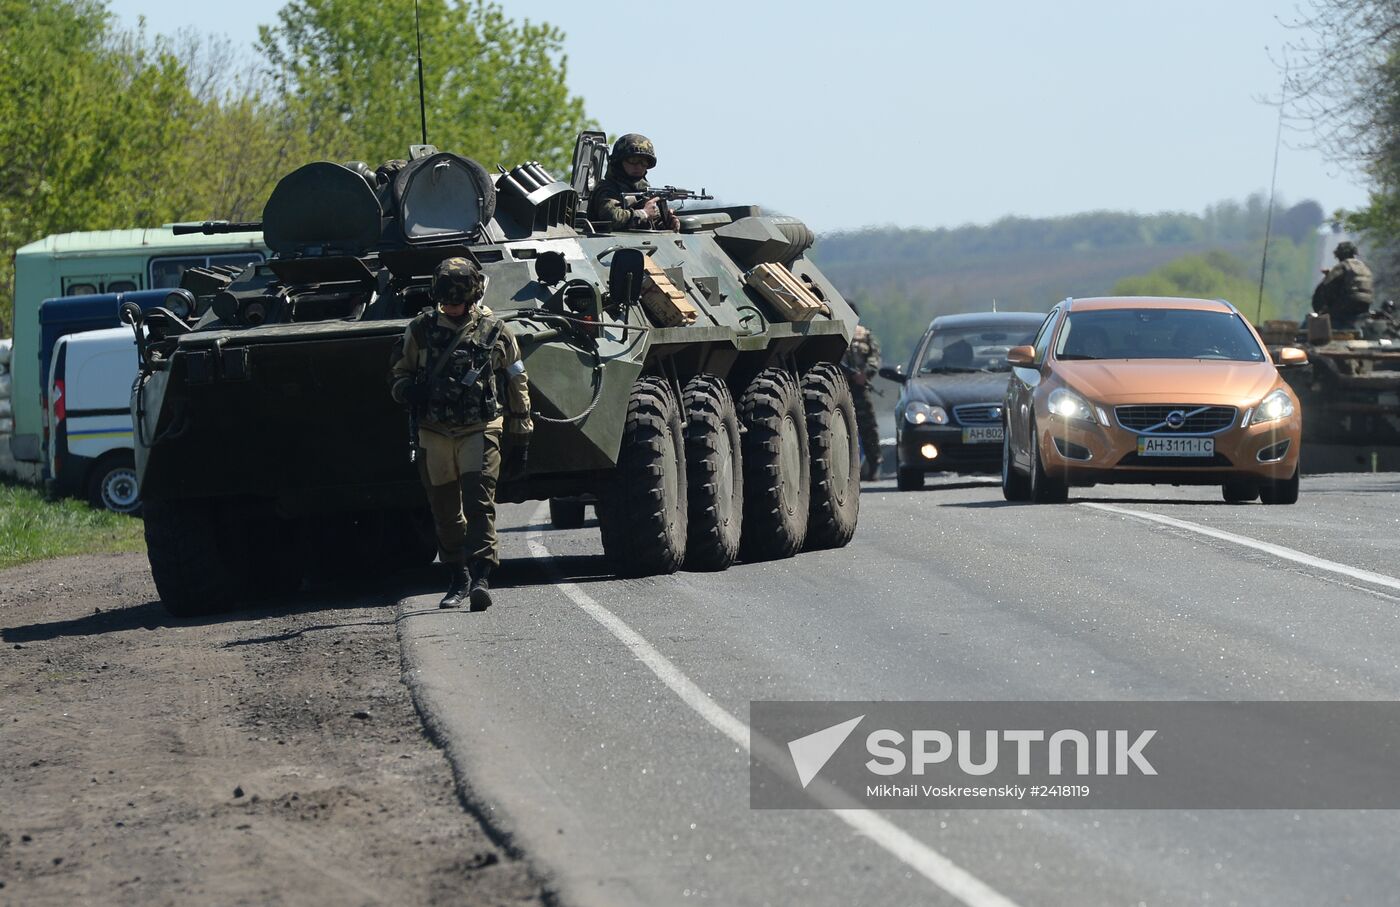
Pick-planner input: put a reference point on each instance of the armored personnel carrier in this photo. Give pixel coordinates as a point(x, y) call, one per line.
point(1350, 390)
point(686, 383)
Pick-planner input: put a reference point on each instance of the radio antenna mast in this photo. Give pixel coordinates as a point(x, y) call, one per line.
point(422, 105)
point(1273, 183)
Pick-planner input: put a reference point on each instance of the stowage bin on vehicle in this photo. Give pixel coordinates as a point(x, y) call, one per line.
point(685, 383)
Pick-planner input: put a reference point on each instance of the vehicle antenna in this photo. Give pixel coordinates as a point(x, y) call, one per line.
point(422, 105)
point(1273, 183)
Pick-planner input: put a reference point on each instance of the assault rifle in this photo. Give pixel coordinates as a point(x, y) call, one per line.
point(664, 195)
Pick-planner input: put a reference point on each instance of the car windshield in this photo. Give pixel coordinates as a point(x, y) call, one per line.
point(972, 349)
point(1157, 334)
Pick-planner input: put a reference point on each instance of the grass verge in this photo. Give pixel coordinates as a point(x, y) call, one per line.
point(32, 528)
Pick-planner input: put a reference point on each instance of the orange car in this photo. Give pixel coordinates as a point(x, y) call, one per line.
point(1148, 390)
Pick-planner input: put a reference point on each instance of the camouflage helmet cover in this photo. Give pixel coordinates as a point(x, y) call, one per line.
point(634, 144)
point(1345, 249)
point(458, 281)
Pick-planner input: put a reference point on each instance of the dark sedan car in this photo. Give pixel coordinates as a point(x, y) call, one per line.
point(948, 418)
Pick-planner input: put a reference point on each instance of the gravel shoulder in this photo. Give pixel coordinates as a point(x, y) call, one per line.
point(270, 757)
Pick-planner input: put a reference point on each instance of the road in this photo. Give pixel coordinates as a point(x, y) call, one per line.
point(599, 723)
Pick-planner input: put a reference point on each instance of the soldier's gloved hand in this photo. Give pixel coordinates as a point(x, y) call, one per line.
point(651, 209)
point(517, 457)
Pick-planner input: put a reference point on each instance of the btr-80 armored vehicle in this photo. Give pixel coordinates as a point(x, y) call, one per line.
point(687, 382)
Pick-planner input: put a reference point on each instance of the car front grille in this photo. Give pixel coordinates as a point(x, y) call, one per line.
point(1192, 418)
point(978, 414)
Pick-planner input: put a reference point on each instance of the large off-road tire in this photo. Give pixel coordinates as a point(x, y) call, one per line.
point(835, 451)
point(642, 512)
point(1014, 486)
point(777, 467)
point(714, 465)
point(1044, 488)
point(566, 513)
point(187, 560)
point(112, 483)
point(1284, 491)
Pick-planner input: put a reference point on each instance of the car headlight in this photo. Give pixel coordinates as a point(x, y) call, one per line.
point(1067, 403)
point(917, 413)
point(1277, 405)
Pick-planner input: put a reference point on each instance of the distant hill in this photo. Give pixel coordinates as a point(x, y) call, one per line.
point(902, 278)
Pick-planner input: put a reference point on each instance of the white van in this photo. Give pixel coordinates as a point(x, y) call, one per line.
point(90, 451)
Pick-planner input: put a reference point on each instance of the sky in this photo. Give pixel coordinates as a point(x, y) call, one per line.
point(932, 114)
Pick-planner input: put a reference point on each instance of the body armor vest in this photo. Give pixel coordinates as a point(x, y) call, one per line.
point(464, 390)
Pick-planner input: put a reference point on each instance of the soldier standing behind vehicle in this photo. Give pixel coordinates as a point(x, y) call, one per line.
point(862, 364)
point(632, 156)
point(1345, 292)
point(459, 368)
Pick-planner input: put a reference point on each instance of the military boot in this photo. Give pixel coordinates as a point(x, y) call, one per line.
point(457, 590)
point(480, 589)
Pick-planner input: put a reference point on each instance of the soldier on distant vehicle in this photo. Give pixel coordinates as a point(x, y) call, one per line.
point(862, 363)
point(459, 368)
point(632, 156)
point(1345, 292)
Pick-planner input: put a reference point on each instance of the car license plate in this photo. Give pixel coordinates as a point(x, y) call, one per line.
point(982, 434)
point(1156, 446)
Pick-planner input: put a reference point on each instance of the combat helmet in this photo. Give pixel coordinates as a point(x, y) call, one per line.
point(634, 144)
point(458, 280)
point(1345, 249)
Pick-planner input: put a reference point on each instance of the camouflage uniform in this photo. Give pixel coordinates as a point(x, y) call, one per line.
point(461, 422)
point(607, 207)
point(862, 362)
point(1345, 293)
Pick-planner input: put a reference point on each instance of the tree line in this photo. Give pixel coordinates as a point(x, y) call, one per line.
point(105, 127)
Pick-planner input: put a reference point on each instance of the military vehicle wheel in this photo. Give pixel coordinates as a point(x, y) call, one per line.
point(1239, 491)
point(714, 465)
point(777, 467)
point(187, 561)
point(1281, 492)
point(642, 513)
point(1044, 488)
point(1014, 486)
point(566, 514)
point(832, 439)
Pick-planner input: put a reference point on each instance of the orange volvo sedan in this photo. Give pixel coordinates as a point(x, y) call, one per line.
point(1150, 390)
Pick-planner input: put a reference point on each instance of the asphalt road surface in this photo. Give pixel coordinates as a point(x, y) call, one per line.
point(601, 724)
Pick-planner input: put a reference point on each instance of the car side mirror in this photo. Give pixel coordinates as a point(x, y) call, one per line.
point(1023, 356)
point(1290, 356)
point(895, 373)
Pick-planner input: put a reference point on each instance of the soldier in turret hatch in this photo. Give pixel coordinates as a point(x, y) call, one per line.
point(459, 368)
point(632, 156)
point(1345, 292)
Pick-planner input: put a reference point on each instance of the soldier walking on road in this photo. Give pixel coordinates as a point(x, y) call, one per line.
point(862, 364)
point(632, 156)
point(1345, 292)
point(459, 368)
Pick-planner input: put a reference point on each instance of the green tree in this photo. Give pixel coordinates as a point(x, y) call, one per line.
point(495, 89)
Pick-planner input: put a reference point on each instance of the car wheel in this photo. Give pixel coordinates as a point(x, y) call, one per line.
point(1239, 491)
point(1014, 486)
point(566, 513)
point(907, 479)
point(112, 485)
point(1044, 489)
point(1283, 492)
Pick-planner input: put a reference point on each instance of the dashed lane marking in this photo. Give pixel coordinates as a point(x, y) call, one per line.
point(1298, 557)
point(917, 855)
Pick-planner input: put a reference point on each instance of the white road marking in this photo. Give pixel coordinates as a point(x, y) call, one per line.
point(1298, 557)
point(923, 859)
